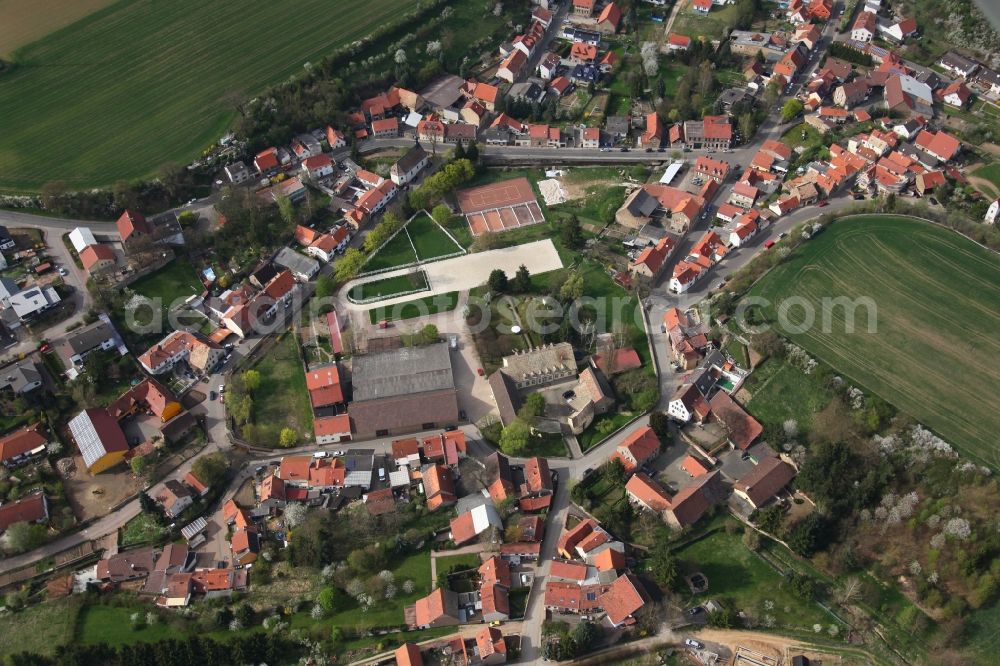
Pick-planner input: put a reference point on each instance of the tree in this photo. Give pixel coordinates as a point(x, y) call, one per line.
point(21, 537)
point(808, 535)
point(295, 514)
point(175, 178)
point(570, 232)
point(288, 438)
point(459, 152)
point(325, 287)
point(251, 380)
point(791, 109)
point(349, 264)
point(521, 284)
point(585, 636)
point(139, 466)
point(706, 78)
point(572, 288)
point(660, 424)
point(441, 214)
point(286, 208)
point(429, 334)
point(329, 599)
point(497, 281)
point(148, 504)
point(663, 565)
point(472, 153)
point(532, 408)
point(514, 438)
point(211, 469)
point(187, 218)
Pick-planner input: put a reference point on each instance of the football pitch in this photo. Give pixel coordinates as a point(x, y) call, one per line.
point(137, 84)
point(936, 296)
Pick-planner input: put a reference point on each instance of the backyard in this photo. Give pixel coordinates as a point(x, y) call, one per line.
point(282, 397)
point(176, 280)
point(713, 26)
point(743, 581)
point(780, 391)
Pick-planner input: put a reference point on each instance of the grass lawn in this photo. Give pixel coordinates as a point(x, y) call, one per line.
point(713, 26)
point(551, 446)
point(429, 239)
point(420, 307)
point(743, 581)
point(466, 561)
point(738, 351)
point(794, 138)
point(40, 628)
point(781, 391)
point(388, 287)
point(145, 83)
point(142, 529)
point(936, 299)
point(282, 396)
point(174, 282)
point(110, 625)
point(395, 253)
point(991, 173)
point(602, 427)
point(415, 567)
point(598, 207)
point(458, 227)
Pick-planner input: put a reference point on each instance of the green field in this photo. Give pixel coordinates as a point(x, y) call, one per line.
point(282, 397)
point(780, 392)
point(389, 287)
point(430, 240)
point(397, 252)
point(419, 307)
point(40, 628)
point(138, 84)
point(421, 234)
point(713, 26)
point(937, 297)
point(177, 279)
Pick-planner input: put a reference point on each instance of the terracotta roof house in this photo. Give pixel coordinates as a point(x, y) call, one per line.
point(758, 486)
point(439, 487)
point(568, 570)
point(175, 497)
point(97, 258)
point(495, 571)
point(437, 609)
point(639, 447)
point(244, 546)
point(572, 597)
point(380, 502)
point(408, 654)
point(607, 22)
point(491, 646)
point(570, 539)
point(133, 229)
point(693, 500)
point(309, 472)
point(623, 600)
point(447, 447)
point(17, 446)
point(647, 493)
point(495, 603)
point(31, 509)
point(323, 384)
point(406, 452)
point(743, 429)
point(609, 559)
point(538, 478)
point(470, 524)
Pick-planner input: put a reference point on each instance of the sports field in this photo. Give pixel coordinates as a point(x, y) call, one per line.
point(937, 298)
point(421, 239)
point(137, 84)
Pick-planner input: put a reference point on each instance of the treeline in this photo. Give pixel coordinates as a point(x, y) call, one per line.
point(253, 648)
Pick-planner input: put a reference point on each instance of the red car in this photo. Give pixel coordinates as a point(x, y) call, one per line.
point(768, 245)
point(822, 203)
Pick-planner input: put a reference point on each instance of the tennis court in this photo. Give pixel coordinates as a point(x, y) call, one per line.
point(499, 206)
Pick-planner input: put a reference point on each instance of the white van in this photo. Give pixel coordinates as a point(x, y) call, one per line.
point(321, 454)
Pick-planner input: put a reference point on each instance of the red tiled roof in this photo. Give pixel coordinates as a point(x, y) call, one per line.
point(648, 492)
point(92, 254)
point(611, 13)
point(537, 475)
point(408, 654)
point(27, 510)
point(490, 641)
point(765, 480)
point(495, 571)
point(642, 444)
point(625, 597)
point(332, 425)
point(609, 559)
point(21, 441)
point(569, 570)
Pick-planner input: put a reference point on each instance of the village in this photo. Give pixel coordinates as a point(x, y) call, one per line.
point(355, 381)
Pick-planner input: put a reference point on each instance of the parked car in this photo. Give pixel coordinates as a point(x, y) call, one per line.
point(768, 245)
point(823, 203)
point(222, 389)
point(211, 395)
point(690, 642)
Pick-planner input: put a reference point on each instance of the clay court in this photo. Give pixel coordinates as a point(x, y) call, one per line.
point(500, 206)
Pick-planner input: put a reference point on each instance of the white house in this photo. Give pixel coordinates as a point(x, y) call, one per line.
point(549, 65)
point(81, 237)
point(993, 211)
point(318, 166)
point(409, 165)
point(865, 27)
point(237, 172)
point(26, 304)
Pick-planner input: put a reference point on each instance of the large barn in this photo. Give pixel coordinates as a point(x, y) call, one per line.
point(403, 390)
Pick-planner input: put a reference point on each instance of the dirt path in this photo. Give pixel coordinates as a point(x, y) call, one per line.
point(670, 21)
point(782, 648)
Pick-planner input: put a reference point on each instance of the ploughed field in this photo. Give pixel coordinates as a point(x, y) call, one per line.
point(137, 84)
point(935, 349)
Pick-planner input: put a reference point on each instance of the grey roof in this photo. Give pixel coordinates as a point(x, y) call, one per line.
point(617, 125)
point(84, 339)
point(506, 396)
point(21, 376)
point(295, 262)
point(412, 158)
point(402, 372)
point(8, 287)
point(643, 204)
